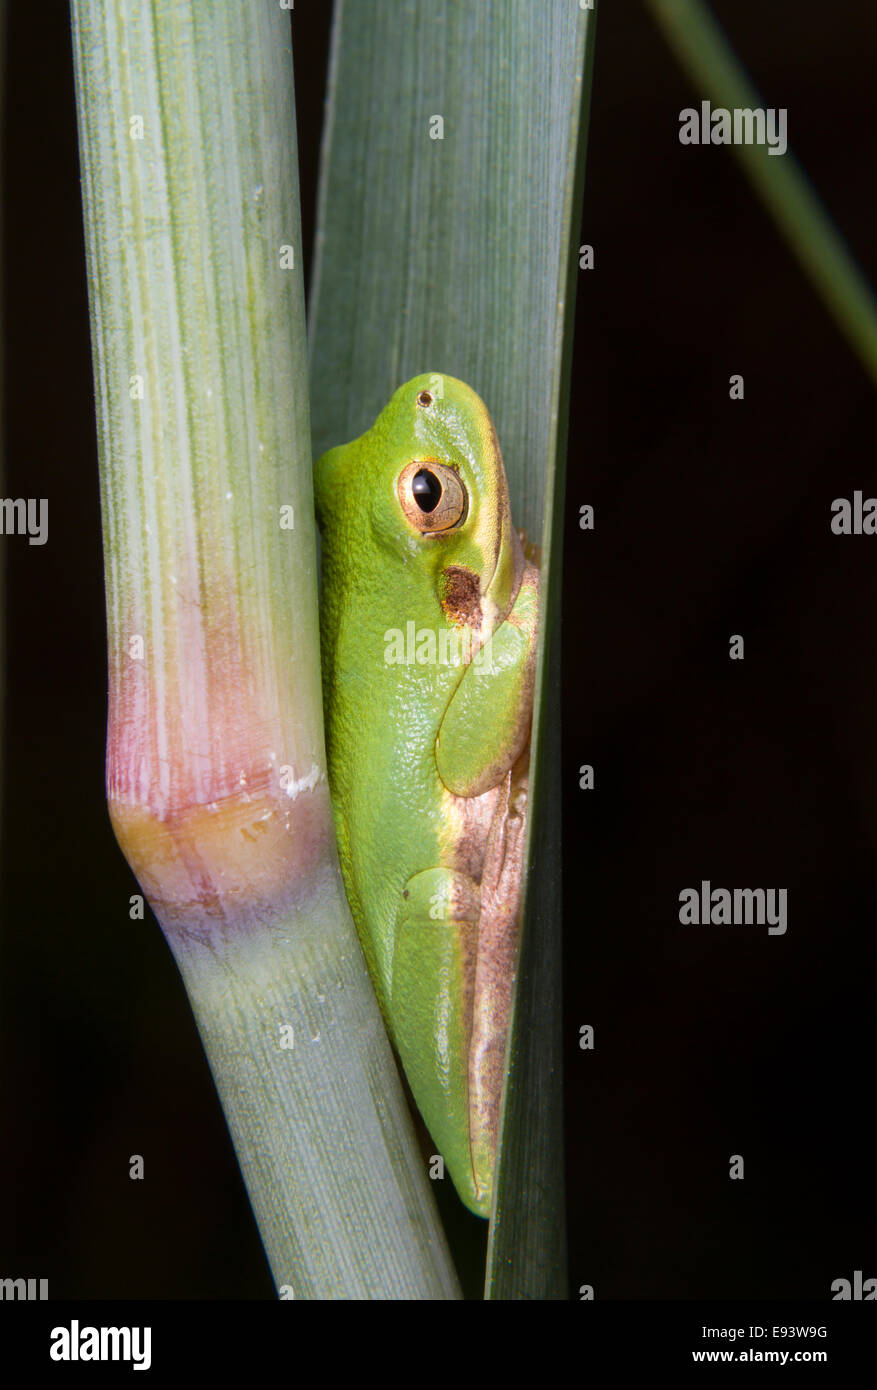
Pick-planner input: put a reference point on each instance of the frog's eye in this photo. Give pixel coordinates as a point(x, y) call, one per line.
point(432, 495)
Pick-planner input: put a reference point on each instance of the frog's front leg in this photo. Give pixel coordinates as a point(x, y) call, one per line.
point(486, 726)
point(434, 968)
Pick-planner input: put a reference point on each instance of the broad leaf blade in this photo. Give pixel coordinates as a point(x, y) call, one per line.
point(453, 255)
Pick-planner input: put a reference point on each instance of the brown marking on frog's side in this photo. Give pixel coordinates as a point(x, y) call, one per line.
point(488, 844)
point(461, 597)
point(498, 931)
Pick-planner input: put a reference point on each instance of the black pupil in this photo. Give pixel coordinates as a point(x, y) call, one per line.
point(426, 489)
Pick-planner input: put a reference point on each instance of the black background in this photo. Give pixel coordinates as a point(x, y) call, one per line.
point(712, 519)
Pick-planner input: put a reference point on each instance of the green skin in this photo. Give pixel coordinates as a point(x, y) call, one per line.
point(427, 755)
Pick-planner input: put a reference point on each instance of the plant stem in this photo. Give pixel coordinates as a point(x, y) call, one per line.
point(215, 759)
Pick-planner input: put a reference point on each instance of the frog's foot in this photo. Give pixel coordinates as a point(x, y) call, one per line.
point(433, 988)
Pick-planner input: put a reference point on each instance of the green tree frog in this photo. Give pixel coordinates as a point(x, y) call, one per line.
point(429, 617)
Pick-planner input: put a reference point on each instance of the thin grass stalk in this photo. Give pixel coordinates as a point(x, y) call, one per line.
point(703, 51)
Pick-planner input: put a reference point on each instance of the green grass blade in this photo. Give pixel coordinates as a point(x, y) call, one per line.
point(703, 51)
point(215, 758)
point(454, 255)
point(2, 419)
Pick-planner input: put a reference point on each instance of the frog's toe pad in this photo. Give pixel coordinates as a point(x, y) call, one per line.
point(439, 895)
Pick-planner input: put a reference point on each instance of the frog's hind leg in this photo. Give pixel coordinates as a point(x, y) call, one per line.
point(433, 987)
